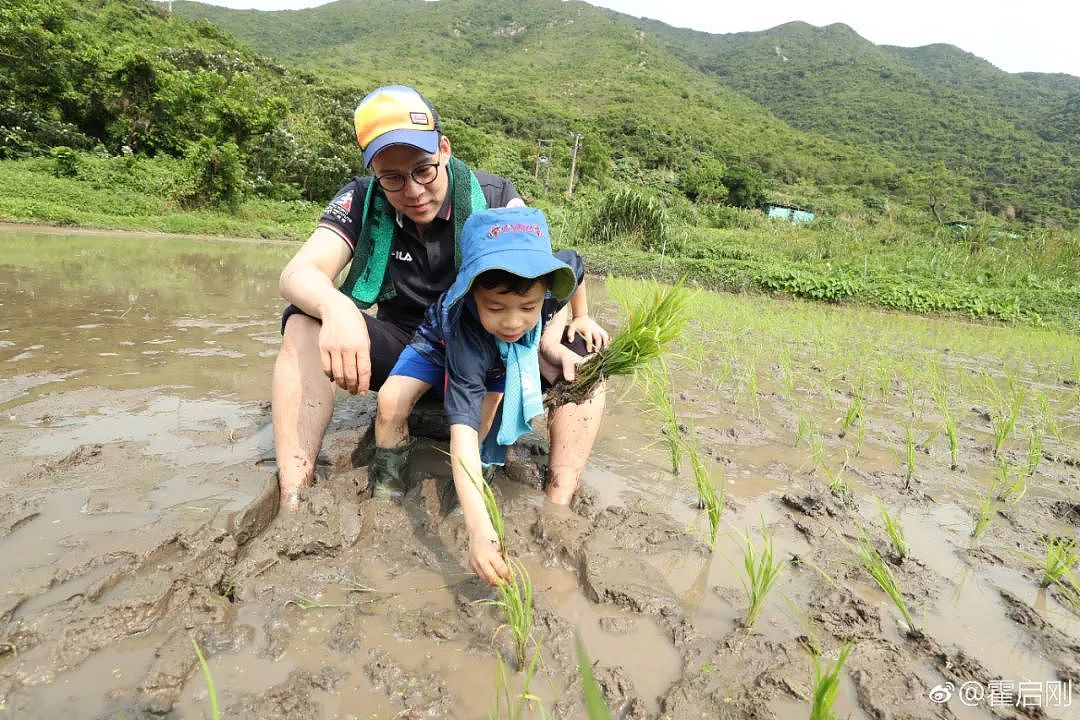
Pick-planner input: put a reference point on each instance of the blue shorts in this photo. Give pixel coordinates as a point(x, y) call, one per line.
point(412, 364)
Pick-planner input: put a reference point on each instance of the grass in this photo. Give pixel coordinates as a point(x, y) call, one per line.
point(214, 712)
point(895, 532)
point(878, 570)
point(762, 572)
point(708, 498)
point(827, 684)
point(654, 323)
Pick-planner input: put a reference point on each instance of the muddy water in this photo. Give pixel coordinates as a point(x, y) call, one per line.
point(135, 431)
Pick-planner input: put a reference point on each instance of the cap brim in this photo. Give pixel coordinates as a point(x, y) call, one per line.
point(526, 264)
point(425, 140)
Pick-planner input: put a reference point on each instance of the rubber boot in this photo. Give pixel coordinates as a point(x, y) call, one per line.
point(389, 471)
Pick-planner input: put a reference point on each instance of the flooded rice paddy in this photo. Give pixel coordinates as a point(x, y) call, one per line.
point(137, 496)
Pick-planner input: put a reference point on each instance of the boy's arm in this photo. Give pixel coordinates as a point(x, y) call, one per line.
point(596, 338)
point(485, 555)
point(553, 354)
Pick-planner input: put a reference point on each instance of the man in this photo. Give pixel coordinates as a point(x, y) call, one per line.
point(400, 231)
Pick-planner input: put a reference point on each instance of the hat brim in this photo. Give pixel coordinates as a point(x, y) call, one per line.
point(425, 140)
point(523, 263)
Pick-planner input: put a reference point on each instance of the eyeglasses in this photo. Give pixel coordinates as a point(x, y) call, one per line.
point(421, 175)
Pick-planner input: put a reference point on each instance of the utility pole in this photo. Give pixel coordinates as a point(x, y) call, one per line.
point(542, 158)
point(573, 166)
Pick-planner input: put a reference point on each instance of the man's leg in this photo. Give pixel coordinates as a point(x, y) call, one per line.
point(302, 403)
point(573, 430)
point(302, 396)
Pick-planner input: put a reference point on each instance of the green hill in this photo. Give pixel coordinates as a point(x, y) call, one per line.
point(1015, 137)
point(518, 71)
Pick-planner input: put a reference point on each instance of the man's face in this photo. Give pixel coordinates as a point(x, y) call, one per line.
point(508, 315)
point(420, 203)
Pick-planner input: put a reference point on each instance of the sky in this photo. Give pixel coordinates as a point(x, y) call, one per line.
point(1029, 36)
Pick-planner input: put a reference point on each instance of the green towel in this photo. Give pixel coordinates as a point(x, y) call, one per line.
point(368, 282)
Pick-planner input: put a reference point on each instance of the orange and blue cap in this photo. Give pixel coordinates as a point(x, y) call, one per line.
point(395, 115)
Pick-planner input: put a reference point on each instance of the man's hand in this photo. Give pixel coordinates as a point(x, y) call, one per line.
point(345, 348)
point(485, 558)
point(596, 338)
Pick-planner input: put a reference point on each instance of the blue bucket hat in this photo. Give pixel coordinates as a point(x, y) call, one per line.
point(516, 240)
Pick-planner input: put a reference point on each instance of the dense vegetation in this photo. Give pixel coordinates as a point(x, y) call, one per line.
point(1013, 138)
point(134, 118)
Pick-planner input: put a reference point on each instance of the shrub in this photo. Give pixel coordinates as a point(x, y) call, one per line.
point(217, 171)
point(625, 213)
point(65, 161)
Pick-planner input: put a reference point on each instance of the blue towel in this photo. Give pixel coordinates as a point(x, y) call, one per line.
point(521, 401)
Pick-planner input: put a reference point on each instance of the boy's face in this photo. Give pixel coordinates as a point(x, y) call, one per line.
point(420, 203)
point(508, 315)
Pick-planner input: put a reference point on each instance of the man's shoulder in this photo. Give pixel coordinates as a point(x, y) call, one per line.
point(498, 191)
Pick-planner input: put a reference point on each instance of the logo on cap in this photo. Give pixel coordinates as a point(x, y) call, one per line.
point(418, 118)
point(497, 230)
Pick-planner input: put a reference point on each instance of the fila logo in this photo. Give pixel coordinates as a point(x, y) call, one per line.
point(403, 256)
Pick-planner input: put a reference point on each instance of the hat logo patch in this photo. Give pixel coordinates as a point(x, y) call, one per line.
point(497, 230)
point(418, 118)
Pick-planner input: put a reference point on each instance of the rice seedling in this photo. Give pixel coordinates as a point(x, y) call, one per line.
point(1047, 418)
point(762, 571)
point(827, 684)
point(660, 397)
point(595, 707)
point(837, 483)
point(884, 373)
point(984, 514)
point(492, 507)
point(874, 564)
point(516, 601)
point(895, 532)
point(806, 426)
point(214, 712)
point(1035, 449)
point(651, 327)
point(1009, 484)
point(853, 414)
point(525, 699)
point(708, 498)
point(909, 453)
point(1061, 556)
point(752, 386)
point(1006, 411)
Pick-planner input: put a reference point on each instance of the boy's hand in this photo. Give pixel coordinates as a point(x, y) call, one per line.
point(596, 338)
point(563, 358)
point(486, 559)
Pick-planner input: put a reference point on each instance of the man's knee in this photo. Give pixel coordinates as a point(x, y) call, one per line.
point(301, 334)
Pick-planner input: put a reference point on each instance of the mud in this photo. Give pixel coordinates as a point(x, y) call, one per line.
point(137, 515)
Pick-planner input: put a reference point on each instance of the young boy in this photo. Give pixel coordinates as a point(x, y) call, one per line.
point(485, 344)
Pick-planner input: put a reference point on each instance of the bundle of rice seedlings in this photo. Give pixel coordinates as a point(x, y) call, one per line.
point(827, 684)
point(1010, 485)
point(651, 327)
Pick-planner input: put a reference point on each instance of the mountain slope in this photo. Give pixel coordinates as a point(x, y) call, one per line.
point(1013, 135)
